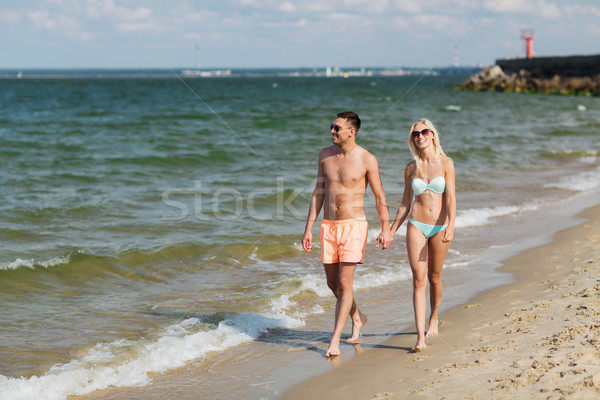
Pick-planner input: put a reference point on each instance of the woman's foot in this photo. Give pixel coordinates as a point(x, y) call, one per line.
point(419, 346)
point(333, 350)
point(417, 349)
point(433, 328)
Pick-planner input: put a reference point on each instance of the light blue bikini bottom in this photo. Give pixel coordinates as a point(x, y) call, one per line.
point(426, 229)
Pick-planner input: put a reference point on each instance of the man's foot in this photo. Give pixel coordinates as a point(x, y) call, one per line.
point(356, 326)
point(333, 350)
point(433, 328)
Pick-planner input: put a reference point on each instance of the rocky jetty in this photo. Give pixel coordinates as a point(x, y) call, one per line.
point(493, 78)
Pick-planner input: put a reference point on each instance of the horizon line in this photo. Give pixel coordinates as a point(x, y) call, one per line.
point(235, 68)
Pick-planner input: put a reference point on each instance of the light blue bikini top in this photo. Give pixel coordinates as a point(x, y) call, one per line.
point(436, 185)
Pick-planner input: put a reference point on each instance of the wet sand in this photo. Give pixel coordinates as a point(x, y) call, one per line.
point(536, 338)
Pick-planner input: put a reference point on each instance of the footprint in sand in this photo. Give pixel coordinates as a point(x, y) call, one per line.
point(421, 357)
point(522, 363)
point(426, 387)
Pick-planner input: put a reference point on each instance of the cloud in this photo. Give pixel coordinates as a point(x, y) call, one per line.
point(287, 7)
point(519, 7)
point(49, 20)
point(10, 16)
point(592, 29)
point(201, 16)
point(439, 23)
point(510, 6)
point(549, 11)
point(126, 13)
point(400, 22)
point(577, 10)
point(41, 19)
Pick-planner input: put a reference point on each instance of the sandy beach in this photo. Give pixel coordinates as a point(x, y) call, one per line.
point(536, 338)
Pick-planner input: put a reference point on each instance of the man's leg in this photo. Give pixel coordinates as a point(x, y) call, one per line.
point(359, 319)
point(343, 307)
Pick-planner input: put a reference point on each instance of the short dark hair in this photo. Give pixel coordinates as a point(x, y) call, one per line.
point(352, 118)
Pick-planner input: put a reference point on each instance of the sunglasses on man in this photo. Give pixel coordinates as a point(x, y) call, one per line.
point(335, 127)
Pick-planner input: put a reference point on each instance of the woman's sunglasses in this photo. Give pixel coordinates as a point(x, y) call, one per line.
point(424, 132)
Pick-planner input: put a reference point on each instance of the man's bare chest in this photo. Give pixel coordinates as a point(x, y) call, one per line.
point(344, 173)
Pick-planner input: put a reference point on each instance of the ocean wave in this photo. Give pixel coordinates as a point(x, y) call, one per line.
point(32, 263)
point(581, 182)
point(381, 278)
point(468, 218)
point(583, 155)
point(127, 362)
point(456, 259)
point(483, 216)
point(318, 284)
point(583, 129)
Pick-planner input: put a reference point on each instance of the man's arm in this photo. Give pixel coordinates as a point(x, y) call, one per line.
point(316, 203)
point(374, 180)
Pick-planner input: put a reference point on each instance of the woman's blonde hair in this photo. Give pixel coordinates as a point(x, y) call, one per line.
point(415, 151)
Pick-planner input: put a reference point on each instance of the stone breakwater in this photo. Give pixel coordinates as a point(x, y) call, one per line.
point(494, 78)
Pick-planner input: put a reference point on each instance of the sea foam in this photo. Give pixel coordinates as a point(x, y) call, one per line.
point(581, 182)
point(126, 363)
point(483, 216)
point(31, 263)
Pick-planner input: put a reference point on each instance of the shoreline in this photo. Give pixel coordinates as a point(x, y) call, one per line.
point(532, 338)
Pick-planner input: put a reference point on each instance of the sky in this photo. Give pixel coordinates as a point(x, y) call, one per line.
point(288, 34)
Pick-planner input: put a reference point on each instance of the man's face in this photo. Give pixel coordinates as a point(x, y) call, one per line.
point(341, 131)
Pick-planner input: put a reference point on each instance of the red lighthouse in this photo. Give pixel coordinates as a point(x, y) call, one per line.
point(528, 35)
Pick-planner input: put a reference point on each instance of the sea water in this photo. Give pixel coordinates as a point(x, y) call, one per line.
point(151, 227)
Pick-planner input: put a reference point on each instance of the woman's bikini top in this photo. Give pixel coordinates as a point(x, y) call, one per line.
point(436, 185)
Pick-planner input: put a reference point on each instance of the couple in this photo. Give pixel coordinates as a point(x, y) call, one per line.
point(344, 171)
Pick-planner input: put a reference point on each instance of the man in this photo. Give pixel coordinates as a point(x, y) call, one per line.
point(345, 169)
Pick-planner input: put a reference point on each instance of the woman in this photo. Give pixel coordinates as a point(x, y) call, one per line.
point(430, 228)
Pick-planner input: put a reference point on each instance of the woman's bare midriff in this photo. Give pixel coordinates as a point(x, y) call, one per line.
point(429, 208)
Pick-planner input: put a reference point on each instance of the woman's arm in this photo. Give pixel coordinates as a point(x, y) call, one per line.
point(407, 196)
point(450, 199)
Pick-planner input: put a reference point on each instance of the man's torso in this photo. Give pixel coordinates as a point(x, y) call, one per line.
point(345, 184)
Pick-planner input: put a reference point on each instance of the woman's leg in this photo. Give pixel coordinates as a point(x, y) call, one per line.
point(416, 246)
point(437, 254)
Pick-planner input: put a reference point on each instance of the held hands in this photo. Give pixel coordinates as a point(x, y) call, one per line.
point(307, 241)
point(385, 239)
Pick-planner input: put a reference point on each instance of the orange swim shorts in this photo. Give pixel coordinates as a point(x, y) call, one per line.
point(343, 241)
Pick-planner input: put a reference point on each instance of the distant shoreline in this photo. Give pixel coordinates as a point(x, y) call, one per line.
point(100, 73)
